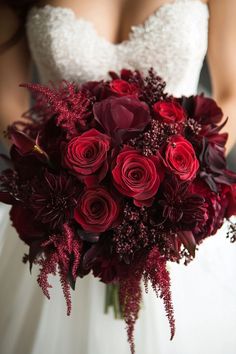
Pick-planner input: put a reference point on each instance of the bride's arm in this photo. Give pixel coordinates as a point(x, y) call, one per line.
point(222, 60)
point(14, 69)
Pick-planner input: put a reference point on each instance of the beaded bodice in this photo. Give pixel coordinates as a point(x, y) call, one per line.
point(172, 40)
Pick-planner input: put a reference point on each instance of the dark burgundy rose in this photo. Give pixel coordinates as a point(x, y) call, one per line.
point(23, 220)
point(169, 112)
point(137, 176)
point(86, 156)
point(98, 89)
point(122, 117)
point(97, 210)
point(124, 88)
point(181, 159)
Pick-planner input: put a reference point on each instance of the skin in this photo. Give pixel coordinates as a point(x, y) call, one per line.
point(120, 15)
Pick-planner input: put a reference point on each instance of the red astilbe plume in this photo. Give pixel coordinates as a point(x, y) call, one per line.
point(60, 252)
point(70, 104)
point(130, 295)
point(156, 272)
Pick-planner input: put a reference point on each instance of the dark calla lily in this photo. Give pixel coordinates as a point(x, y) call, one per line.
point(26, 145)
point(188, 240)
point(213, 162)
point(23, 143)
point(203, 109)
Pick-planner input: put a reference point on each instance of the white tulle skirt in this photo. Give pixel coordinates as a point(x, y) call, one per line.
point(204, 298)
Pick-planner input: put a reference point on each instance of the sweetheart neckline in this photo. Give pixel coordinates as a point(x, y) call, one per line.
point(133, 28)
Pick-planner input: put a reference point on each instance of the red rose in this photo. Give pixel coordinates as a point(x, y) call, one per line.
point(169, 112)
point(124, 88)
point(86, 156)
point(122, 117)
point(137, 176)
point(181, 159)
point(96, 211)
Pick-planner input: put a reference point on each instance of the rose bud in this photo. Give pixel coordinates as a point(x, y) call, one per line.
point(122, 117)
point(137, 176)
point(181, 159)
point(169, 112)
point(97, 211)
point(124, 88)
point(86, 156)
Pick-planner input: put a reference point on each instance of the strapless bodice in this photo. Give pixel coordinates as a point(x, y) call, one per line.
point(172, 40)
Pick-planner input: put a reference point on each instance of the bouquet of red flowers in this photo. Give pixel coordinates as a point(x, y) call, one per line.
point(117, 178)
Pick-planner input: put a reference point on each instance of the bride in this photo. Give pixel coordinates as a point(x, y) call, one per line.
point(82, 40)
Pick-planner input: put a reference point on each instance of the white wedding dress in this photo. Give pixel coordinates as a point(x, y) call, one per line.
point(173, 40)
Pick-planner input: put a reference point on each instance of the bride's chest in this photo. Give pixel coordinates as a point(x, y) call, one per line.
point(173, 41)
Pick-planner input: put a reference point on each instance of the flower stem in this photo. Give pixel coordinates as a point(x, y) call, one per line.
point(112, 300)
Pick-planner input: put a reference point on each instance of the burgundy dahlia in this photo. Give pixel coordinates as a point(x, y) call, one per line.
point(182, 209)
point(54, 198)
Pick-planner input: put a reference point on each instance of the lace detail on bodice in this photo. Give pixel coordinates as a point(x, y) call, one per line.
point(173, 40)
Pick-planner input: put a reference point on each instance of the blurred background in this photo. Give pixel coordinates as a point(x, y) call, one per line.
point(204, 86)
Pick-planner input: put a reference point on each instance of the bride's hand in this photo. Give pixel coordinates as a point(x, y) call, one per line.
point(15, 68)
point(221, 58)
